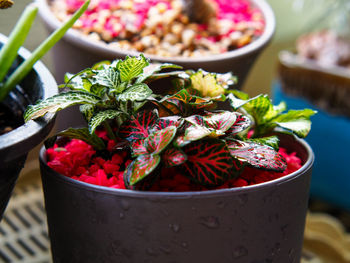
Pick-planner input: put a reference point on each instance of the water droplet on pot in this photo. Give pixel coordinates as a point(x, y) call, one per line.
point(175, 227)
point(165, 212)
point(125, 205)
point(239, 252)
point(221, 204)
point(184, 244)
point(210, 221)
point(165, 249)
point(121, 215)
point(151, 252)
point(291, 255)
point(243, 199)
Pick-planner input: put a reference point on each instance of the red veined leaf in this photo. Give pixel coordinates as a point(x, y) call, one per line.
point(194, 119)
point(173, 157)
point(137, 127)
point(257, 155)
point(141, 167)
point(180, 141)
point(208, 162)
point(164, 122)
point(220, 121)
point(182, 95)
point(138, 147)
point(159, 140)
point(201, 103)
point(241, 124)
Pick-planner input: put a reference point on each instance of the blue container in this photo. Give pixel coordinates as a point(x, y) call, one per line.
point(330, 141)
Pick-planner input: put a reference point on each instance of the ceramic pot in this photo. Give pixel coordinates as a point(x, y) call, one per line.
point(86, 52)
point(260, 223)
point(14, 145)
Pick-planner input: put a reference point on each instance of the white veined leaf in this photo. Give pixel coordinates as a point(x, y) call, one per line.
point(101, 116)
point(131, 67)
point(137, 92)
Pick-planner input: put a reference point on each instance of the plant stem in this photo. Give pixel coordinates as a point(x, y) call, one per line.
point(109, 130)
point(27, 65)
point(8, 53)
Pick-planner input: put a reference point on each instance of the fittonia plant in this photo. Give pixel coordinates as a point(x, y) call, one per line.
point(183, 129)
point(8, 52)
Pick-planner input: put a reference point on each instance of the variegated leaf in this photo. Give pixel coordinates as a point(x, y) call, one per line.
point(257, 155)
point(242, 123)
point(208, 162)
point(131, 67)
point(206, 84)
point(101, 116)
point(221, 121)
point(164, 122)
point(197, 132)
point(159, 140)
point(108, 77)
point(88, 110)
point(142, 167)
point(271, 141)
point(138, 126)
point(173, 156)
point(137, 92)
point(153, 68)
point(59, 102)
point(138, 147)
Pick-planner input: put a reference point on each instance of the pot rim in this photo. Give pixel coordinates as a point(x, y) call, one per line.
point(81, 40)
point(189, 194)
point(32, 130)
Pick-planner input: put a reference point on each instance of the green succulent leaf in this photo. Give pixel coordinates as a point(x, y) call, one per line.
point(59, 102)
point(102, 116)
point(151, 69)
point(137, 92)
point(84, 135)
point(173, 157)
point(257, 155)
point(159, 140)
point(142, 167)
point(131, 67)
point(209, 162)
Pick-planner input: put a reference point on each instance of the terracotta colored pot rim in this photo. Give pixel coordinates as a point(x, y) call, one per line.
point(189, 194)
point(81, 40)
point(23, 134)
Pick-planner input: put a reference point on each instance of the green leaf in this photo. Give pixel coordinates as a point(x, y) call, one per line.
point(59, 102)
point(137, 92)
point(84, 135)
point(238, 102)
point(131, 67)
point(77, 81)
point(108, 77)
point(143, 166)
point(153, 68)
point(297, 121)
point(101, 116)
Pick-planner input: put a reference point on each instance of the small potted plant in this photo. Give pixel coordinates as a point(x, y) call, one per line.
point(23, 80)
point(172, 178)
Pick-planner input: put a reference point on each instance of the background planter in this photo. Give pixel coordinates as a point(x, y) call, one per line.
point(14, 146)
point(261, 223)
point(80, 52)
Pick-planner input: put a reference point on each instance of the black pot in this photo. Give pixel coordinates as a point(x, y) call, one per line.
point(254, 224)
point(15, 145)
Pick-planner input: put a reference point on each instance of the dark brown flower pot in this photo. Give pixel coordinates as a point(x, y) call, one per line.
point(86, 52)
point(14, 145)
point(260, 223)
